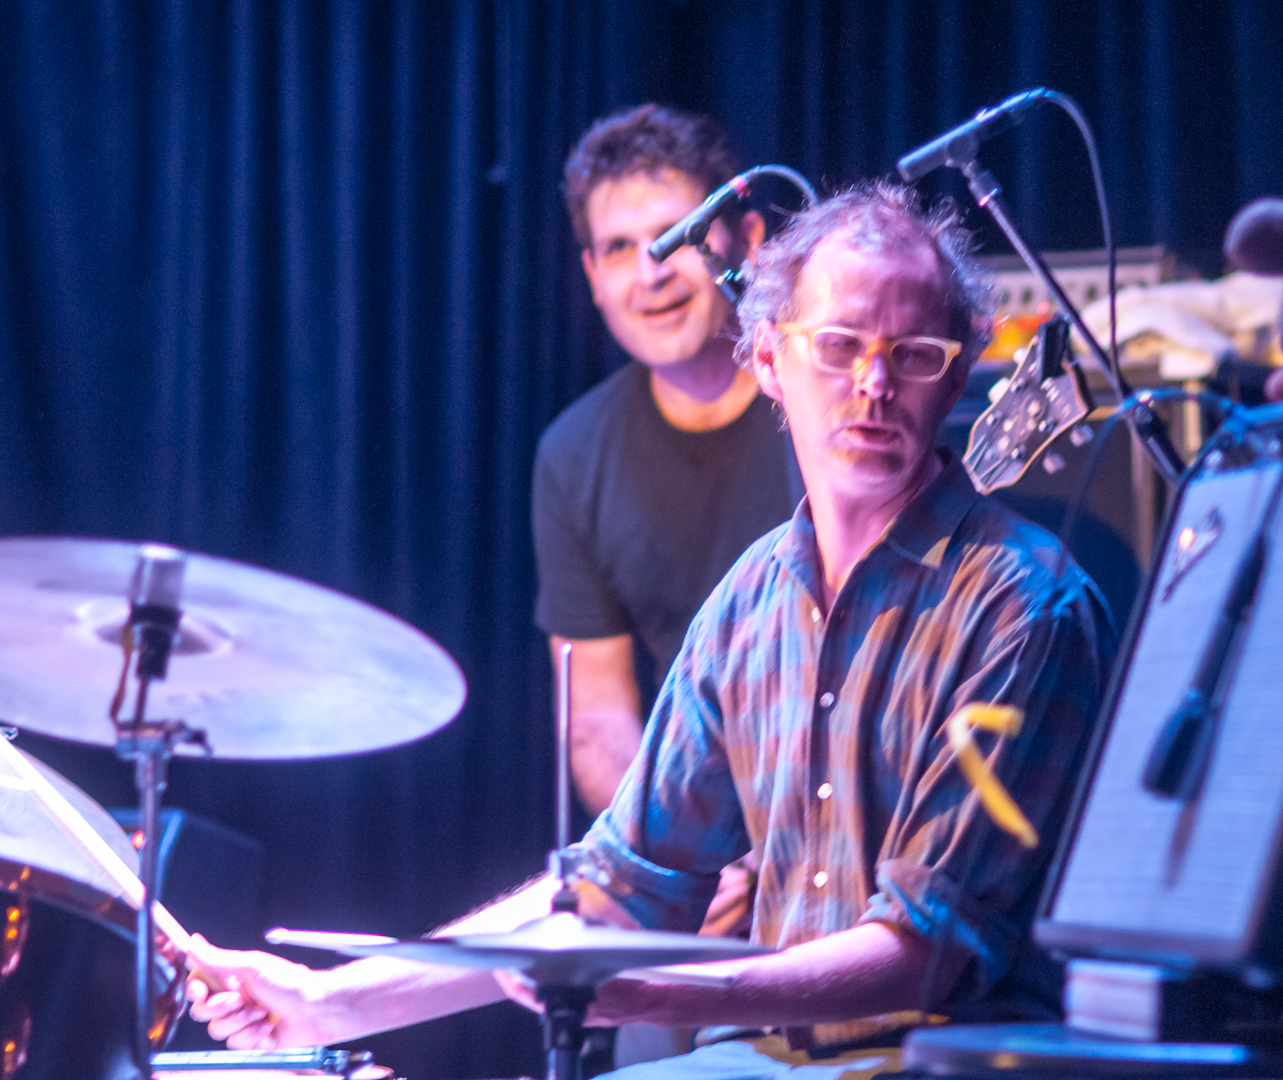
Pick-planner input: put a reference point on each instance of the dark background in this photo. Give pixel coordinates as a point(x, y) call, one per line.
point(291, 283)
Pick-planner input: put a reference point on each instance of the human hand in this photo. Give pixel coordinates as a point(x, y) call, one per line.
point(518, 988)
point(254, 1000)
point(617, 1001)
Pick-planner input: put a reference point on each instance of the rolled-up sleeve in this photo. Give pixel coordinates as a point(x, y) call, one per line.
point(675, 821)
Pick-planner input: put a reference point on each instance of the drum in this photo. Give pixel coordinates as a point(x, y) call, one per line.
point(67, 953)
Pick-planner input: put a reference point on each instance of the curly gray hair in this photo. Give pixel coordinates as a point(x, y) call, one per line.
point(875, 216)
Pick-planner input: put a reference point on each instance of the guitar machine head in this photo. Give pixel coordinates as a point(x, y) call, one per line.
point(1046, 395)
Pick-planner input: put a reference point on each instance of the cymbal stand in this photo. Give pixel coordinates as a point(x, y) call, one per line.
point(154, 616)
point(564, 1006)
point(561, 860)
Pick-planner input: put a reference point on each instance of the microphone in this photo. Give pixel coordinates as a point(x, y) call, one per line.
point(694, 226)
point(154, 594)
point(961, 145)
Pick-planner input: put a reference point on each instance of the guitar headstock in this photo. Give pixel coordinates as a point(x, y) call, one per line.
point(1046, 395)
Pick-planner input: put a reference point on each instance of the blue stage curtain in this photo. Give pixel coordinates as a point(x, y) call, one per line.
point(291, 283)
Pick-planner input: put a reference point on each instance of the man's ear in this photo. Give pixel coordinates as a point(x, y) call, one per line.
point(752, 231)
point(767, 343)
point(590, 272)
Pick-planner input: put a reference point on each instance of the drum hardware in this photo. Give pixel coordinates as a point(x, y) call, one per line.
point(151, 631)
point(564, 954)
point(67, 868)
point(15, 1027)
point(273, 667)
point(15, 1040)
point(314, 1060)
point(155, 1015)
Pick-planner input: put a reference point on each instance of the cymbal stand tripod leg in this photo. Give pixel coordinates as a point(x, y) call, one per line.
point(563, 1021)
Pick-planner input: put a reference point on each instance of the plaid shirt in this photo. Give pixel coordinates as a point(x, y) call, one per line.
point(820, 742)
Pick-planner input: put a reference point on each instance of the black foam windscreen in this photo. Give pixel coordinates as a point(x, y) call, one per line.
point(1146, 874)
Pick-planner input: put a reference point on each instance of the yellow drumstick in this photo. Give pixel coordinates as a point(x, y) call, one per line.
point(1005, 720)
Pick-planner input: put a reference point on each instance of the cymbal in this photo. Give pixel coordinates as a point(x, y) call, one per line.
point(269, 666)
point(38, 857)
point(564, 950)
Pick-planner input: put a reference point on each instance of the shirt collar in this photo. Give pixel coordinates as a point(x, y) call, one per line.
point(923, 529)
point(920, 532)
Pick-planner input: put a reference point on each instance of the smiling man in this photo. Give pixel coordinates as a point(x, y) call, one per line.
point(652, 484)
point(804, 717)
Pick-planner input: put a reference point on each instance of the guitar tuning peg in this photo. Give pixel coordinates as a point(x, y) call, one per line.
point(1053, 463)
point(1081, 435)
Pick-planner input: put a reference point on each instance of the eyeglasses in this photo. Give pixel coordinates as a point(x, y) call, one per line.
point(840, 350)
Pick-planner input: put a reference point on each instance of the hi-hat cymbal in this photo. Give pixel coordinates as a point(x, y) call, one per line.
point(269, 666)
point(565, 950)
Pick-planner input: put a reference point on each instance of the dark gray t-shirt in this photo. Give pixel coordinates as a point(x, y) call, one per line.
point(635, 521)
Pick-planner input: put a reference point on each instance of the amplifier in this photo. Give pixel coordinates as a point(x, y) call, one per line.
point(1172, 853)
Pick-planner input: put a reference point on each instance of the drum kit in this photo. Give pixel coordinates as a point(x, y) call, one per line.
point(245, 664)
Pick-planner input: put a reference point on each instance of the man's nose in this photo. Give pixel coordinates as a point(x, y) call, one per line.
point(649, 272)
point(874, 379)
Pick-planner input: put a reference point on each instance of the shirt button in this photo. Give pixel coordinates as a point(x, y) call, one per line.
point(824, 790)
point(815, 614)
point(826, 699)
point(821, 878)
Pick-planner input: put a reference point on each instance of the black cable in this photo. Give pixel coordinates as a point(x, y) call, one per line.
point(1145, 397)
point(794, 177)
point(1071, 107)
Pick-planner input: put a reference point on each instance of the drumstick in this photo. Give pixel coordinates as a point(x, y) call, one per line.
point(102, 855)
point(94, 847)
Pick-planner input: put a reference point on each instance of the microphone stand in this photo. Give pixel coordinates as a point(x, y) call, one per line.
point(153, 624)
point(1146, 424)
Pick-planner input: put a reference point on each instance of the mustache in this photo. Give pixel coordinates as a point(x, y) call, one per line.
point(869, 411)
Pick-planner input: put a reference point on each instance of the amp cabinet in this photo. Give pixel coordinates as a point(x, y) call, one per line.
point(1172, 853)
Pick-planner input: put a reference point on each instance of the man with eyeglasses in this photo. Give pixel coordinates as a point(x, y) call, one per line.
point(804, 717)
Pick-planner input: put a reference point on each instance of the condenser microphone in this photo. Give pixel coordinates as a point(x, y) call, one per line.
point(961, 145)
point(155, 592)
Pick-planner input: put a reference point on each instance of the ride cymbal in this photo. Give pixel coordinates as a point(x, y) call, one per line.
point(269, 666)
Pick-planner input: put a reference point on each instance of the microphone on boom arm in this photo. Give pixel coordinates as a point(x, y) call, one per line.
point(693, 228)
point(961, 144)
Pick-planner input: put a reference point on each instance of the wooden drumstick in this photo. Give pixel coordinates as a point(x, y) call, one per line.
point(100, 853)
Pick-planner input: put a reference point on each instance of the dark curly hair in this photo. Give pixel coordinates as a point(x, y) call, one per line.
point(646, 139)
point(875, 216)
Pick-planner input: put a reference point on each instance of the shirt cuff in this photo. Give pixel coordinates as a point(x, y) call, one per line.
point(921, 900)
point(658, 898)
